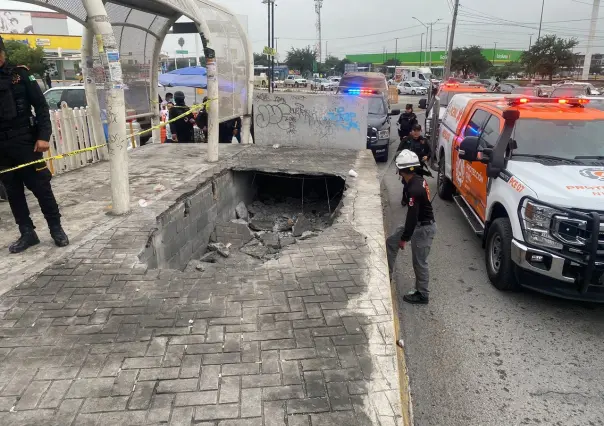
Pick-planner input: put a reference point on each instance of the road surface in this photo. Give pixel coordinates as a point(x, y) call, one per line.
point(478, 356)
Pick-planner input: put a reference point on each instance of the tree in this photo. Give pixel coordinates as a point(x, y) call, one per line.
point(21, 54)
point(549, 54)
point(392, 62)
point(331, 62)
point(469, 60)
point(341, 67)
point(503, 72)
point(595, 69)
point(301, 59)
point(260, 59)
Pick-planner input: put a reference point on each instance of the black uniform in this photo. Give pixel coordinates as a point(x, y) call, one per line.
point(406, 122)
point(182, 128)
point(19, 131)
point(419, 229)
point(421, 150)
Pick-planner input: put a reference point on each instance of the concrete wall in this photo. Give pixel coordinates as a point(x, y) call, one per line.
point(309, 120)
point(184, 230)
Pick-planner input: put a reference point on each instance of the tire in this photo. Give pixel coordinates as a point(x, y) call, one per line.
point(498, 257)
point(263, 84)
point(444, 186)
point(413, 92)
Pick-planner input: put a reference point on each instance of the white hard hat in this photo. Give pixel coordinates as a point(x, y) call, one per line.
point(407, 160)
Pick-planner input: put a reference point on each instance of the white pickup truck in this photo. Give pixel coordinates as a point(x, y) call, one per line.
point(528, 174)
point(295, 81)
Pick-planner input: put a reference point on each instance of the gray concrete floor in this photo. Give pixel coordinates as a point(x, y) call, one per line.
point(478, 356)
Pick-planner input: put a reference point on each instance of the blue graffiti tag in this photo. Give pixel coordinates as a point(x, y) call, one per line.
point(345, 120)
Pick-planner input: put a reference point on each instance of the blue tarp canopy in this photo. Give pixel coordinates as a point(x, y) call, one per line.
point(185, 77)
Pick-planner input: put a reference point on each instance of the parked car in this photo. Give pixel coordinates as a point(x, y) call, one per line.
point(529, 91)
point(322, 84)
point(295, 81)
point(504, 87)
point(586, 89)
point(75, 97)
point(411, 88)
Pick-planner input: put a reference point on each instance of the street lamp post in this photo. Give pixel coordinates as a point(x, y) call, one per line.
point(428, 32)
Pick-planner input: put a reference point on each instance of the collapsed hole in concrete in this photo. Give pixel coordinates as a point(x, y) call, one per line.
point(285, 209)
point(243, 216)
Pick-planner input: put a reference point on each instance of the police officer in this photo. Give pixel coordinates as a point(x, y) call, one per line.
point(419, 227)
point(418, 144)
point(24, 138)
point(182, 129)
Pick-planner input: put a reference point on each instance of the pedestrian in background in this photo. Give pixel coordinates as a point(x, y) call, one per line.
point(419, 227)
point(24, 138)
point(202, 119)
point(48, 80)
point(182, 128)
point(406, 121)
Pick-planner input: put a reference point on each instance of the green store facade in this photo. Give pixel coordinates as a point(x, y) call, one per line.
point(498, 56)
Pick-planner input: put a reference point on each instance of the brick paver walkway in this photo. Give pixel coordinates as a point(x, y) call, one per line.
point(307, 339)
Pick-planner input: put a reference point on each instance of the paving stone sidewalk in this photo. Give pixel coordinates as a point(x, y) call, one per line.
point(307, 339)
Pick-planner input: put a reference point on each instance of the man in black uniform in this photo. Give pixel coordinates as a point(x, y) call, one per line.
point(182, 129)
point(24, 138)
point(416, 143)
point(419, 227)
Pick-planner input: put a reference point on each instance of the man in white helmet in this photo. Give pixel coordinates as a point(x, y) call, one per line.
point(419, 227)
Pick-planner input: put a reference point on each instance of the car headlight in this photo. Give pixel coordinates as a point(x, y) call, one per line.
point(384, 134)
point(537, 219)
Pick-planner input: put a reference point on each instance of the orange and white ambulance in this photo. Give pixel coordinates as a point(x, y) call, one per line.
point(528, 174)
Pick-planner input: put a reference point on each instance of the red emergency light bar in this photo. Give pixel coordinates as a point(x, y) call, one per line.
point(361, 91)
point(563, 101)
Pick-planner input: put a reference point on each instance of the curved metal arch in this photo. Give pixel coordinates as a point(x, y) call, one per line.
point(41, 3)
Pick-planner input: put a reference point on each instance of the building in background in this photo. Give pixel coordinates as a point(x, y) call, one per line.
point(48, 30)
point(498, 57)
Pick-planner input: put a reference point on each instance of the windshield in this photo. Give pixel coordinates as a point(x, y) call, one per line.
point(414, 84)
point(559, 138)
point(376, 106)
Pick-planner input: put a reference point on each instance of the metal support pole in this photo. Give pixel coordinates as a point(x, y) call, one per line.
point(212, 107)
point(268, 25)
point(541, 20)
point(395, 49)
point(116, 110)
point(447, 39)
point(494, 53)
point(451, 39)
point(421, 50)
point(273, 40)
point(249, 59)
point(590, 40)
point(156, 107)
point(431, 44)
point(92, 96)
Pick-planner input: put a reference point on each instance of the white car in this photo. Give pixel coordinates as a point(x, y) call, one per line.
point(323, 84)
point(411, 88)
point(295, 81)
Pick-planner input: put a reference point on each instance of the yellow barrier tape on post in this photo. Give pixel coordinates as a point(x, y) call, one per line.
point(92, 148)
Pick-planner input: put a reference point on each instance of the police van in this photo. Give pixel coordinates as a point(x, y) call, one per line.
point(528, 174)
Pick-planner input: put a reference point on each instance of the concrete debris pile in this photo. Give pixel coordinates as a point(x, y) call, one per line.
point(261, 230)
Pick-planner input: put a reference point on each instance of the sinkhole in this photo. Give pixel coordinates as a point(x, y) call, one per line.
point(244, 217)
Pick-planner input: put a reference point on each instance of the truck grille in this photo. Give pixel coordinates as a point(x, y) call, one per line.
point(372, 135)
point(572, 232)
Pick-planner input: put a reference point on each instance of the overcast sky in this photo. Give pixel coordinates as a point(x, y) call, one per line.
point(362, 26)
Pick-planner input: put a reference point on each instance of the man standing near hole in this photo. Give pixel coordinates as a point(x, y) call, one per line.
point(24, 137)
point(419, 227)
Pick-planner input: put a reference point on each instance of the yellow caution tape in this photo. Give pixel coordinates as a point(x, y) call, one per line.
point(92, 148)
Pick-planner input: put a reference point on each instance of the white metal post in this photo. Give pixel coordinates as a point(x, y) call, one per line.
point(249, 58)
point(213, 106)
point(116, 110)
point(92, 96)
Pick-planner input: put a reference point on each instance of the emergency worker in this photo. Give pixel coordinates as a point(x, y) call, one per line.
point(182, 129)
point(23, 139)
point(419, 227)
point(418, 144)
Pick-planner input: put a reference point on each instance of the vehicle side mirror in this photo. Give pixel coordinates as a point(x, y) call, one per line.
point(468, 149)
point(423, 103)
point(394, 112)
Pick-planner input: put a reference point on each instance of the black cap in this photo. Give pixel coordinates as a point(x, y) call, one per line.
point(179, 95)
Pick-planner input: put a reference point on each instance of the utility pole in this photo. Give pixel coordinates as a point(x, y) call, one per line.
point(451, 40)
point(421, 50)
point(590, 40)
point(272, 42)
point(318, 6)
point(447, 39)
point(494, 53)
point(269, 44)
point(395, 49)
point(530, 41)
point(430, 44)
point(541, 19)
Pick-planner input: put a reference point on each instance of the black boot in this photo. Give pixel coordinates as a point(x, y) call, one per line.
point(59, 236)
point(28, 239)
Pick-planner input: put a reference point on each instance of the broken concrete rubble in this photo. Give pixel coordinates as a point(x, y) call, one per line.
point(220, 248)
point(308, 234)
point(301, 225)
point(241, 211)
point(270, 239)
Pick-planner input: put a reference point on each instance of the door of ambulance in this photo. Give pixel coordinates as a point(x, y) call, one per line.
point(471, 178)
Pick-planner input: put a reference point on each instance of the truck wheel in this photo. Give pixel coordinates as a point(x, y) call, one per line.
point(498, 258)
point(444, 185)
point(413, 92)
